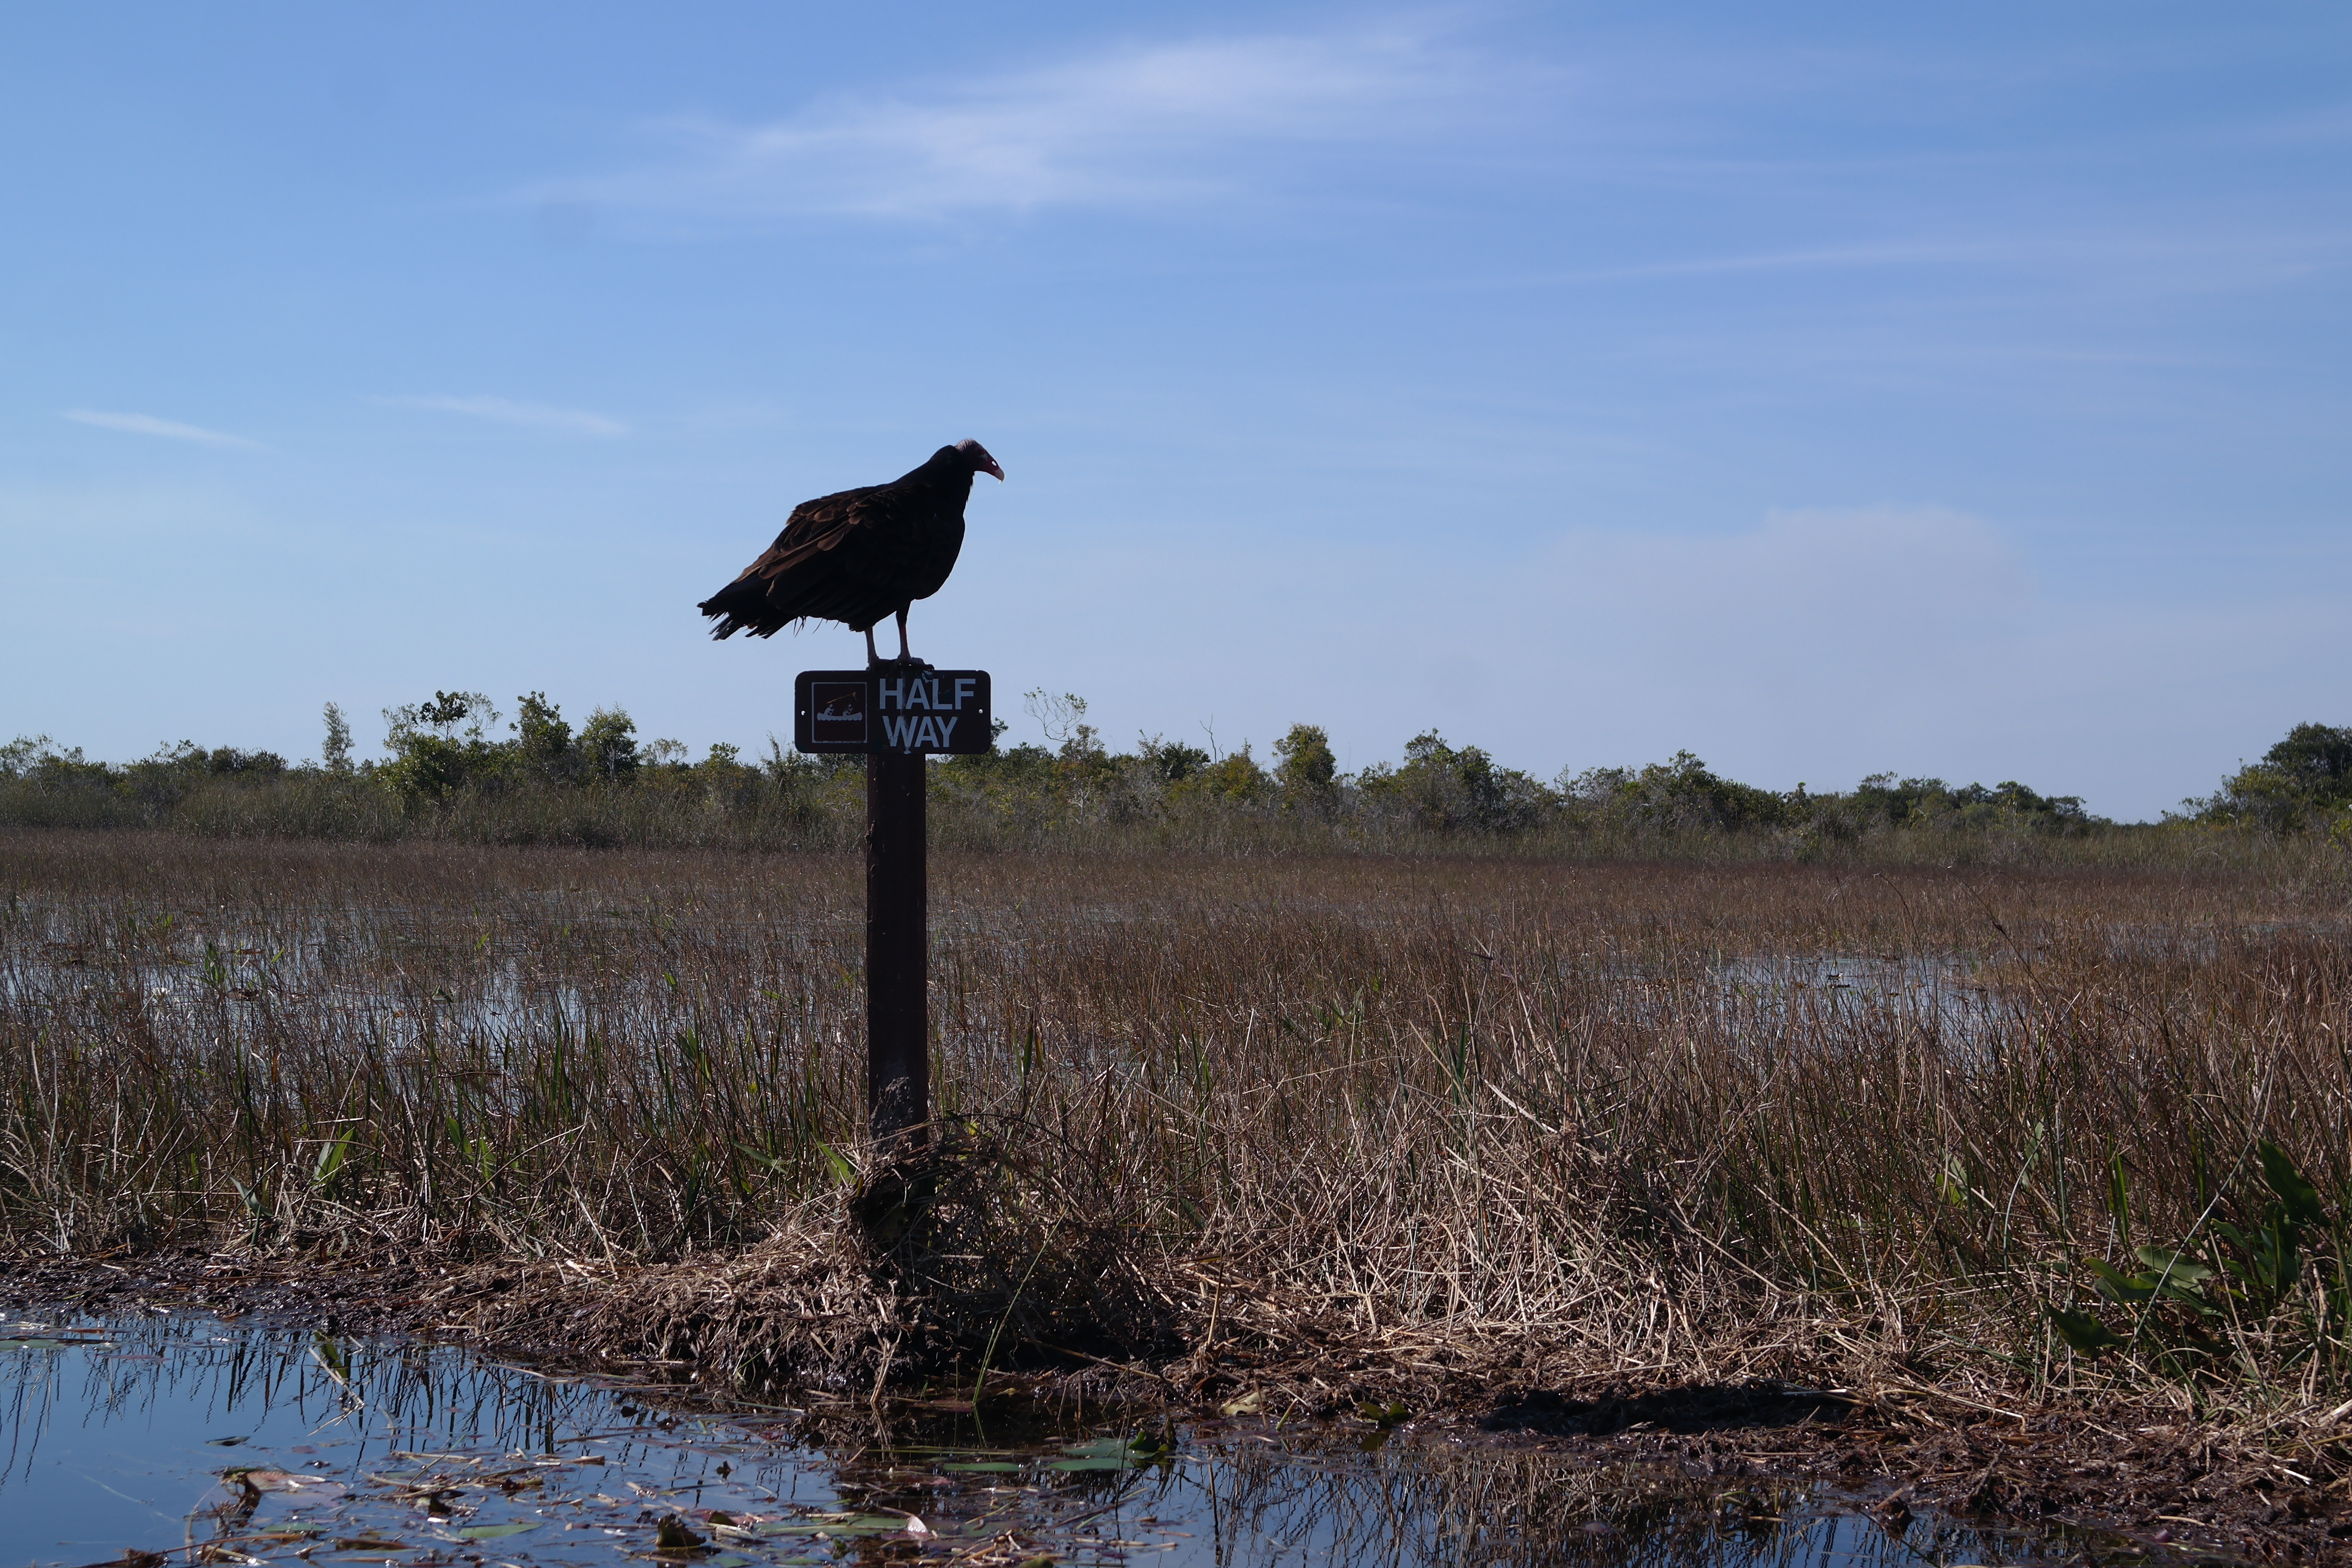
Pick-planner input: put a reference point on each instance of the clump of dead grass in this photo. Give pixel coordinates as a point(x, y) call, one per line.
point(944, 1260)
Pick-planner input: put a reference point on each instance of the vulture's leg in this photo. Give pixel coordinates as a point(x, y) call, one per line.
point(873, 654)
point(904, 656)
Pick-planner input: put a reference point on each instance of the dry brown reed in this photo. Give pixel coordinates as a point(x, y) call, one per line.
point(1332, 1127)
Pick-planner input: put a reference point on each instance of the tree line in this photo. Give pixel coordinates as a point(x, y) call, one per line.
point(458, 759)
point(2303, 782)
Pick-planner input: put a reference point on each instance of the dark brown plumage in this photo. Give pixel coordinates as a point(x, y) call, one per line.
point(859, 556)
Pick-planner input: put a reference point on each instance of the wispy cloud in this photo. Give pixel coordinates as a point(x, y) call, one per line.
point(530, 415)
point(1166, 122)
point(170, 429)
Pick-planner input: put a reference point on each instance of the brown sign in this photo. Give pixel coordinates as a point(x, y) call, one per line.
point(892, 710)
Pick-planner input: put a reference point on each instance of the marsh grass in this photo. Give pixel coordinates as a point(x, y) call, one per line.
point(1330, 1125)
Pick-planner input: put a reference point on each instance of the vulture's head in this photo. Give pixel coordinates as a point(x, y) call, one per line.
point(975, 453)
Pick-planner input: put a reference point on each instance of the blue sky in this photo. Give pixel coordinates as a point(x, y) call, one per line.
point(1823, 389)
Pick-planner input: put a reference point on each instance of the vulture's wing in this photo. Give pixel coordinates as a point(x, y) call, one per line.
point(812, 533)
point(872, 537)
point(853, 556)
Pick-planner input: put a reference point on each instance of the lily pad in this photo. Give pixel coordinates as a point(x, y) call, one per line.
point(1097, 1448)
point(1106, 1453)
point(984, 1467)
point(43, 1342)
point(491, 1531)
point(839, 1524)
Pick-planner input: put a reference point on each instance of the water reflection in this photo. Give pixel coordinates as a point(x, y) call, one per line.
point(1949, 998)
point(204, 1441)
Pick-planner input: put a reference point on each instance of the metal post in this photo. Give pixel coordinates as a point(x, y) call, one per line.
point(898, 998)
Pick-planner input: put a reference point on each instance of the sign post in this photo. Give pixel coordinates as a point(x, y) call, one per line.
point(898, 985)
point(896, 715)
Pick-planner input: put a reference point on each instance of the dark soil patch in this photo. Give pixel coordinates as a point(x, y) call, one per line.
point(1702, 1407)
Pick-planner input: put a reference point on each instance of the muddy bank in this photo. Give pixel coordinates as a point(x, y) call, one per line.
point(2158, 1478)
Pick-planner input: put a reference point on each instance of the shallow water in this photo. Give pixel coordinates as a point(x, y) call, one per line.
point(1951, 998)
point(209, 1441)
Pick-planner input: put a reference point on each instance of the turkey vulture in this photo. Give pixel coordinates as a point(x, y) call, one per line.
point(860, 555)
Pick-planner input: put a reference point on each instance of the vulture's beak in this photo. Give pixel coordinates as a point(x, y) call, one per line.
point(996, 470)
